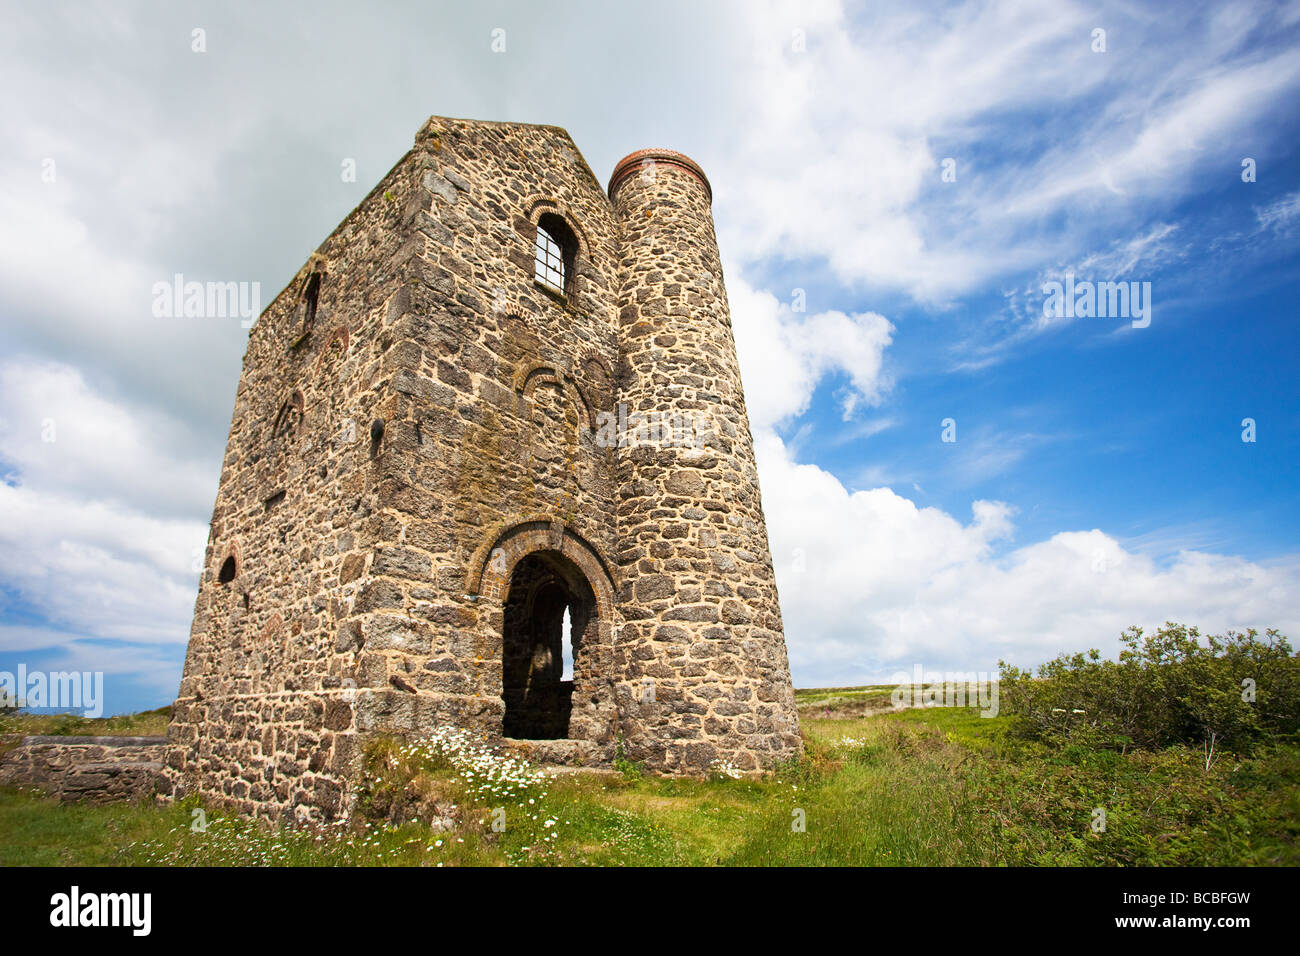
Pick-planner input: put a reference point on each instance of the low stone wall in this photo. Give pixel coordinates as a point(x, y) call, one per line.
point(90, 769)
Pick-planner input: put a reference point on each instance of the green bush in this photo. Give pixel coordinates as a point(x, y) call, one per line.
point(1170, 687)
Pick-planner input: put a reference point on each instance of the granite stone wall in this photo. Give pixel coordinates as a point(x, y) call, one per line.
point(698, 593)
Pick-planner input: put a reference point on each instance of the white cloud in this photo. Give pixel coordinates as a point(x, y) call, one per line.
point(871, 584)
point(841, 159)
point(785, 353)
point(86, 539)
point(1149, 249)
point(1281, 215)
point(62, 437)
point(1130, 258)
point(829, 158)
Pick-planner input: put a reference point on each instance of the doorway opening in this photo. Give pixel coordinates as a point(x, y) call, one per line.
point(549, 625)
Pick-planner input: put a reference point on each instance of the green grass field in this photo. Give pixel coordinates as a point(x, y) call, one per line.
point(919, 787)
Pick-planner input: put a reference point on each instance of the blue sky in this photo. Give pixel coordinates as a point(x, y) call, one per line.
point(1098, 478)
point(1141, 428)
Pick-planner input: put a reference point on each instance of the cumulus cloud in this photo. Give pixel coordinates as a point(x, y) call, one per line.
point(59, 436)
point(872, 585)
point(785, 353)
point(99, 535)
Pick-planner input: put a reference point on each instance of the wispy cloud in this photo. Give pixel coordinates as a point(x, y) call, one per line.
point(849, 160)
point(1281, 216)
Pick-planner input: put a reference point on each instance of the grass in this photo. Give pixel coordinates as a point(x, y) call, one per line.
point(939, 786)
point(844, 700)
point(149, 723)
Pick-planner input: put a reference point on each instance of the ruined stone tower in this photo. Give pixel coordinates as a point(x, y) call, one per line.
point(498, 400)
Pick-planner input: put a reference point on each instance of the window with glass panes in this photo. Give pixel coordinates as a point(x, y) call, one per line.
point(550, 261)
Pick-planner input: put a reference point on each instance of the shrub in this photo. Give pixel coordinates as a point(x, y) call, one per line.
point(1169, 687)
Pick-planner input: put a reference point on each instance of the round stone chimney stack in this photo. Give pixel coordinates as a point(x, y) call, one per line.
point(707, 676)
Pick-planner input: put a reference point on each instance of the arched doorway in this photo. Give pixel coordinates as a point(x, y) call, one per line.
point(545, 588)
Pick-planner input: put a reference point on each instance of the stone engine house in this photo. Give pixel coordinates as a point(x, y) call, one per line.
point(490, 467)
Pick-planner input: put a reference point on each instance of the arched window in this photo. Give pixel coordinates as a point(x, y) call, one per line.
point(288, 421)
point(228, 569)
point(555, 251)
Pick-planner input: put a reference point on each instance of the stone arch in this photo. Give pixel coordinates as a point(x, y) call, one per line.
point(559, 222)
point(341, 338)
point(595, 384)
point(539, 206)
point(290, 418)
point(588, 408)
point(532, 374)
point(545, 588)
point(555, 255)
point(515, 319)
point(596, 369)
point(495, 558)
point(528, 574)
